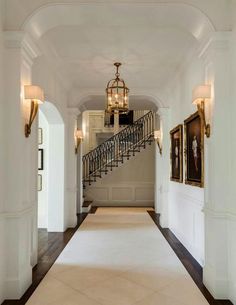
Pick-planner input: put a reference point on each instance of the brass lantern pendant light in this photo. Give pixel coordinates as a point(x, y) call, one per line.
point(117, 94)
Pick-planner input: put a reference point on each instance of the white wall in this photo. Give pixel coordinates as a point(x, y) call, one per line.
point(2, 227)
point(231, 225)
point(131, 184)
point(186, 218)
point(43, 194)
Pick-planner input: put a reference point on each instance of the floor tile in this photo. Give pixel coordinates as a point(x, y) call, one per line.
point(118, 291)
point(160, 299)
point(75, 298)
point(118, 258)
point(50, 290)
point(80, 278)
point(185, 291)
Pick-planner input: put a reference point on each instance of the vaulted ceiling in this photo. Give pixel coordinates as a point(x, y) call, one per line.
point(152, 40)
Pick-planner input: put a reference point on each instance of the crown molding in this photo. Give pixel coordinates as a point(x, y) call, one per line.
point(22, 40)
point(73, 111)
point(163, 111)
point(219, 41)
point(224, 215)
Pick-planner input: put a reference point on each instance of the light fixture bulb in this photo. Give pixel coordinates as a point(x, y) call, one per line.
point(117, 94)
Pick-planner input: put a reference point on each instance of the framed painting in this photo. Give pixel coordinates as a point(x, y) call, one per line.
point(40, 159)
point(40, 183)
point(176, 154)
point(194, 150)
point(40, 136)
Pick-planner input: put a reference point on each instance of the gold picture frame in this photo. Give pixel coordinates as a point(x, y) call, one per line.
point(194, 150)
point(40, 136)
point(40, 186)
point(176, 154)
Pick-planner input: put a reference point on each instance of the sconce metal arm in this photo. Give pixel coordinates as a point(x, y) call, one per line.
point(78, 141)
point(201, 111)
point(159, 146)
point(33, 112)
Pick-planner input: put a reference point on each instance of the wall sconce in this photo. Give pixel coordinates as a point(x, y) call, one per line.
point(36, 96)
point(200, 94)
point(157, 137)
point(78, 139)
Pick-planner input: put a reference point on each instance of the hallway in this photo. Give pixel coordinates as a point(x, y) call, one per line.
point(118, 257)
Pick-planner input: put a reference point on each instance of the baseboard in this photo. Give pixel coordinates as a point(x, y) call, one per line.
point(16, 287)
point(188, 246)
point(123, 204)
point(219, 289)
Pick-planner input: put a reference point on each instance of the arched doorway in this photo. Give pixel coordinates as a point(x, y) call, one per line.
point(51, 172)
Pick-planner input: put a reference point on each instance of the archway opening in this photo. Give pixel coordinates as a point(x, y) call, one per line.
point(51, 171)
point(132, 180)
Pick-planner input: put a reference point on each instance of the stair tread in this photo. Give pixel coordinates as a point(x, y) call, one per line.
point(115, 150)
point(87, 203)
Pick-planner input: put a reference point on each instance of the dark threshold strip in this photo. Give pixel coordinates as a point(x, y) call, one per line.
point(189, 262)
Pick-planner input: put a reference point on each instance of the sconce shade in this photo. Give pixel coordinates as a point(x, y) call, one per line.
point(157, 134)
point(201, 93)
point(34, 93)
point(79, 134)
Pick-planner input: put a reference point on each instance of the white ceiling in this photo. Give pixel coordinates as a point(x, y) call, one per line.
point(84, 55)
point(136, 102)
point(152, 40)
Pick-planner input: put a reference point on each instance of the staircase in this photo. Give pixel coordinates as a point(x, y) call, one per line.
point(118, 148)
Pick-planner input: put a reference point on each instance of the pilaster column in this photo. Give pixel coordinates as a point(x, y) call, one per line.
point(80, 198)
point(218, 162)
point(72, 115)
point(20, 208)
point(116, 123)
point(162, 169)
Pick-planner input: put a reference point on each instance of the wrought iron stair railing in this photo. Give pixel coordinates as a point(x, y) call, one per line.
point(122, 145)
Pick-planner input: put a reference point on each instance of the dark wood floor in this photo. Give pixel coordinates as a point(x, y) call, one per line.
point(191, 265)
point(50, 247)
point(52, 244)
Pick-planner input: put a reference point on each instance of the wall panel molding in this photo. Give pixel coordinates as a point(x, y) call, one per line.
point(122, 194)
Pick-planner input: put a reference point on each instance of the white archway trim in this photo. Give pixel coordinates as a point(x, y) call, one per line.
point(56, 169)
point(81, 99)
point(183, 16)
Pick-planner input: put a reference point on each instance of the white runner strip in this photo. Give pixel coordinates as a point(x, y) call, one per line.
point(117, 259)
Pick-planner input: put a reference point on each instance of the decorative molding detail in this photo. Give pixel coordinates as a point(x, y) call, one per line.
point(191, 199)
point(73, 111)
point(14, 39)
point(224, 215)
point(163, 112)
point(18, 214)
point(30, 50)
point(109, 191)
point(189, 245)
point(217, 41)
point(22, 40)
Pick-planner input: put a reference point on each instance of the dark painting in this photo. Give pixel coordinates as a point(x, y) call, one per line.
point(176, 154)
point(194, 148)
point(124, 118)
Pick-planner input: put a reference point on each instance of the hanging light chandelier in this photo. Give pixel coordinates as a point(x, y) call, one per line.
point(117, 94)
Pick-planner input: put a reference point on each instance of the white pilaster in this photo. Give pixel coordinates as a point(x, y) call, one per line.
point(20, 209)
point(218, 160)
point(71, 158)
point(80, 198)
point(162, 169)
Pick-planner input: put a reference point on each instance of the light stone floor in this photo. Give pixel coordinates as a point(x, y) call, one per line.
point(117, 257)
